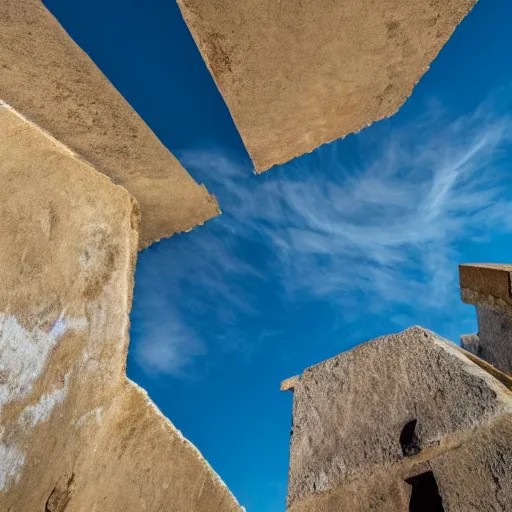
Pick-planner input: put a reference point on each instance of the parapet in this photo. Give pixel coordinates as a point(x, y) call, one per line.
point(297, 74)
point(47, 78)
point(403, 419)
point(488, 287)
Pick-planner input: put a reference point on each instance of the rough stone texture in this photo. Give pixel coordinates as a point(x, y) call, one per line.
point(46, 77)
point(473, 477)
point(289, 384)
point(471, 343)
point(380, 492)
point(477, 475)
point(486, 282)
point(493, 343)
point(296, 74)
point(75, 433)
point(351, 413)
point(489, 288)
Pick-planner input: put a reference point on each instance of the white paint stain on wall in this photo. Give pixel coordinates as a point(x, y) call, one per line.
point(23, 354)
point(11, 462)
point(42, 410)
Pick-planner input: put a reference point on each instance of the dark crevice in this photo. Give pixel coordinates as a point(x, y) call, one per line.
point(60, 496)
point(409, 441)
point(425, 495)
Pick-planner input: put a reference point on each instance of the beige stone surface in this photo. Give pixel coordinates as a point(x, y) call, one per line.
point(75, 433)
point(477, 475)
point(486, 283)
point(493, 343)
point(350, 412)
point(474, 476)
point(385, 491)
point(50, 80)
point(289, 384)
point(296, 74)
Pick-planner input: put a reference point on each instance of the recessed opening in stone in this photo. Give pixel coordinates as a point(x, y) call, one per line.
point(425, 495)
point(409, 440)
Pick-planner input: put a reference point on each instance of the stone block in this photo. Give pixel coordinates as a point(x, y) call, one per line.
point(488, 287)
point(75, 433)
point(402, 397)
point(297, 74)
point(46, 77)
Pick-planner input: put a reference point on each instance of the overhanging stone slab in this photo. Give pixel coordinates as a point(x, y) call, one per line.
point(297, 74)
point(46, 77)
point(486, 283)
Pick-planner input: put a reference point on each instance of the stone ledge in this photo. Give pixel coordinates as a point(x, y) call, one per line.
point(486, 283)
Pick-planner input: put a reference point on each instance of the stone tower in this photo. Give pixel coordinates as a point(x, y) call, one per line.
point(409, 421)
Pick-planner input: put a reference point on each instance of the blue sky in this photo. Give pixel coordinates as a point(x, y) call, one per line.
point(358, 239)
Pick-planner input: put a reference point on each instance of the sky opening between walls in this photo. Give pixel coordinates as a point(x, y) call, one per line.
point(360, 238)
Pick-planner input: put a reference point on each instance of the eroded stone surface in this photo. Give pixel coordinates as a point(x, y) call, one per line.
point(405, 397)
point(475, 475)
point(50, 80)
point(75, 434)
point(380, 492)
point(488, 287)
point(486, 283)
point(493, 343)
point(298, 74)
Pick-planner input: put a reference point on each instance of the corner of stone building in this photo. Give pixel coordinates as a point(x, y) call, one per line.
point(374, 425)
point(68, 413)
point(488, 286)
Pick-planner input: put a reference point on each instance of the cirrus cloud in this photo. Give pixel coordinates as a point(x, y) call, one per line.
point(377, 235)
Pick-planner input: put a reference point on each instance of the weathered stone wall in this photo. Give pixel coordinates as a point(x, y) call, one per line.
point(297, 74)
point(349, 411)
point(493, 343)
point(75, 434)
point(50, 80)
point(474, 476)
point(488, 287)
point(384, 491)
point(367, 420)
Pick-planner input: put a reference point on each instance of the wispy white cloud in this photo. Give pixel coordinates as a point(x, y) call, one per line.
point(198, 274)
point(375, 236)
point(167, 346)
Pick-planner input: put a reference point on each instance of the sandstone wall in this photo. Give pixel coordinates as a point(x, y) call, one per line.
point(349, 412)
point(475, 476)
point(75, 434)
point(50, 80)
point(297, 74)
